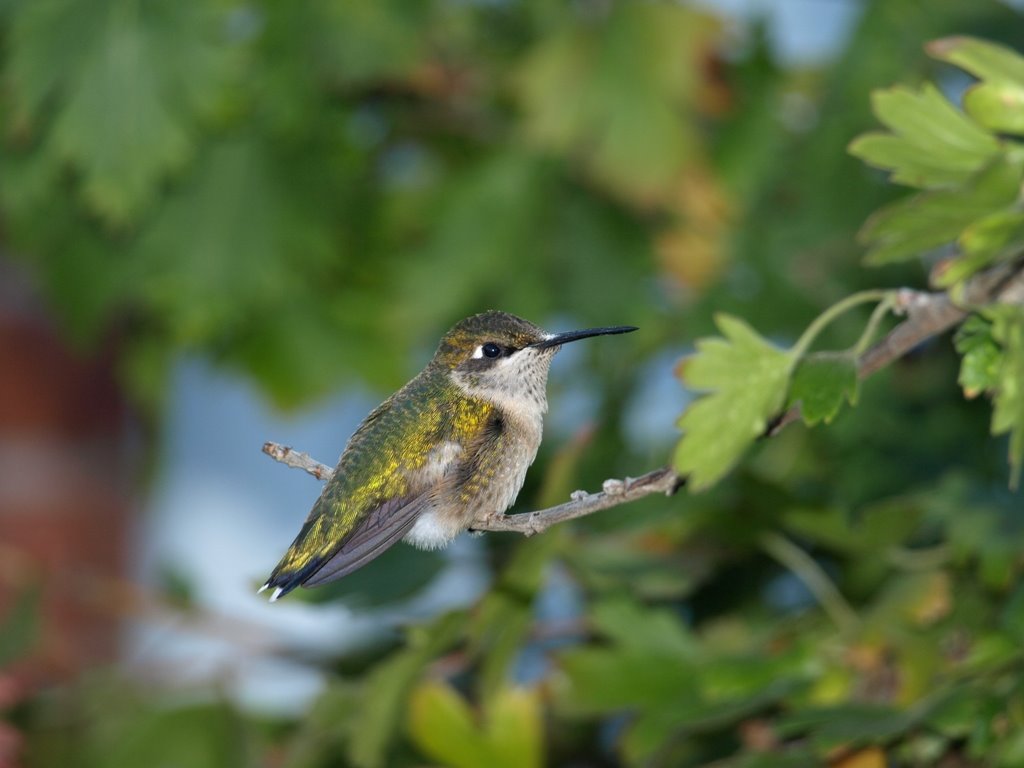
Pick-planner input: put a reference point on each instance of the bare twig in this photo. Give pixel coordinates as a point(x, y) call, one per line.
point(297, 459)
point(927, 315)
point(613, 493)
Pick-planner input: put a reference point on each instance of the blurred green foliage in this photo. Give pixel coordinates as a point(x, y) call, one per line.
point(312, 192)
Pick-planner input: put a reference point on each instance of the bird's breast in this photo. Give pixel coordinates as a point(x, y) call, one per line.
point(495, 477)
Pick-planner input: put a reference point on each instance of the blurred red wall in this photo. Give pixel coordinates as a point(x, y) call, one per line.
point(66, 487)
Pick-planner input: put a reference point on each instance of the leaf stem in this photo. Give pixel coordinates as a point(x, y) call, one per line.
point(871, 329)
point(825, 318)
point(806, 568)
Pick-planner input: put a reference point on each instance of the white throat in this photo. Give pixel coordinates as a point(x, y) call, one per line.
point(516, 384)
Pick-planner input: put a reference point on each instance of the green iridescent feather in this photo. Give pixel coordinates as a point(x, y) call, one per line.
point(380, 464)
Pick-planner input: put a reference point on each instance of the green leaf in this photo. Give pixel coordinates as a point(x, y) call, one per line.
point(983, 59)
point(998, 106)
point(931, 144)
point(982, 356)
point(998, 236)
point(234, 244)
point(992, 651)
point(219, 257)
point(442, 725)
point(996, 233)
point(747, 378)
point(1008, 410)
point(908, 228)
point(821, 382)
point(129, 82)
point(514, 729)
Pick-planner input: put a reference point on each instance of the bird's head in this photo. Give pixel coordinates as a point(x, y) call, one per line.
point(501, 357)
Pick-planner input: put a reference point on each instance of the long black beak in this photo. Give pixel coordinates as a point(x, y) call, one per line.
point(564, 338)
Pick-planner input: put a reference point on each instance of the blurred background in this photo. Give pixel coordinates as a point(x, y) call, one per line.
point(224, 223)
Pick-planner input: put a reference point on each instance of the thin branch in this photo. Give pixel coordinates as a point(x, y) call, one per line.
point(613, 493)
point(927, 315)
point(297, 459)
point(930, 314)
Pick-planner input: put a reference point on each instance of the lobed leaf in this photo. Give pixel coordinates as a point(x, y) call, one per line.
point(910, 227)
point(983, 59)
point(747, 380)
point(931, 144)
point(127, 84)
point(997, 102)
point(821, 382)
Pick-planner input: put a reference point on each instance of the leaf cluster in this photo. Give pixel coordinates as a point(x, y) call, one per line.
point(969, 166)
point(312, 194)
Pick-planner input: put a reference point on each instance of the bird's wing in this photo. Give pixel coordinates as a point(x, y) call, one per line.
point(381, 528)
point(309, 563)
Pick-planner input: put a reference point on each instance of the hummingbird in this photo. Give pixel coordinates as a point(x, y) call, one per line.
point(450, 447)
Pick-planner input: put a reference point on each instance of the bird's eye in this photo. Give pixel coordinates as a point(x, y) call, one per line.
point(491, 349)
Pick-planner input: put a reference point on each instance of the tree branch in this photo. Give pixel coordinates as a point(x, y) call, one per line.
point(613, 493)
point(297, 459)
point(581, 504)
point(927, 315)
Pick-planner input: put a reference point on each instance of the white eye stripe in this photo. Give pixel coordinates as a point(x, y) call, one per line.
point(478, 352)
